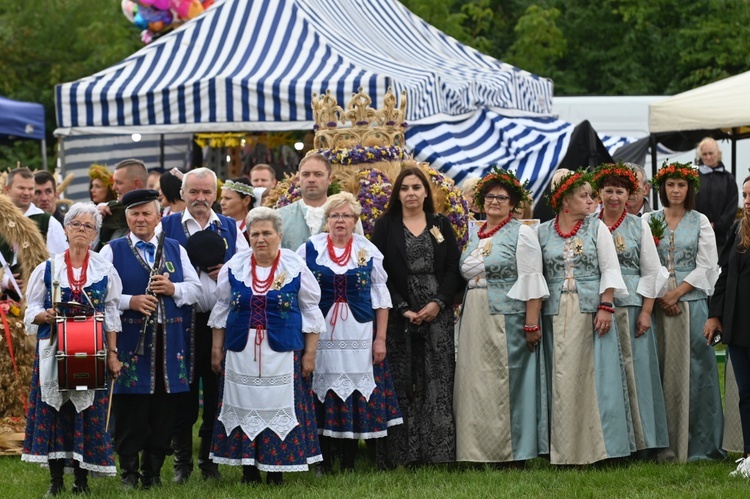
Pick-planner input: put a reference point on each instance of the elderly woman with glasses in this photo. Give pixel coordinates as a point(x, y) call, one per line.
point(498, 369)
point(352, 382)
point(66, 429)
point(266, 322)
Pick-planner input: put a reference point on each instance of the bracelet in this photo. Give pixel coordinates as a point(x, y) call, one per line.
point(607, 304)
point(611, 310)
point(533, 328)
point(112, 350)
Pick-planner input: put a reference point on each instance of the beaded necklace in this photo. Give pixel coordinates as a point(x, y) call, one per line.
point(566, 235)
point(76, 285)
point(484, 233)
point(342, 260)
point(614, 227)
point(263, 285)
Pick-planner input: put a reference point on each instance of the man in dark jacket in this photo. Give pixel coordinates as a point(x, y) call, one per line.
point(717, 197)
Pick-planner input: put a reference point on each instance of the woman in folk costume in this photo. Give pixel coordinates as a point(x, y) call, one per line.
point(267, 321)
point(237, 198)
point(352, 381)
point(589, 415)
point(67, 429)
point(498, 370)
point(646, 279)
point(687, 248)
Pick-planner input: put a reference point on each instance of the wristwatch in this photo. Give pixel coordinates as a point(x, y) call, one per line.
point(112, 350)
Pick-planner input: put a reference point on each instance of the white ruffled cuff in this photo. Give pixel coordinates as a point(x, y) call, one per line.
point(529, 287)
point(612, 278)
point(704, 278)
point(380, 296)
point(654, 285)
point(313, 320)
point(219, 316)
point(28, 319)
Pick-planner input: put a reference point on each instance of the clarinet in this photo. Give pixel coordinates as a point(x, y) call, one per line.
point(149, 319)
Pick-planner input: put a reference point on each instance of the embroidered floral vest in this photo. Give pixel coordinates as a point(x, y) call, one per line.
point(585, 265)
point(685, 250)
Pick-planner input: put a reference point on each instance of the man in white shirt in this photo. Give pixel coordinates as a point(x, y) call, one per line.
point(19, 188)
point(304, 218)
point(148, 391)
point(199, 193)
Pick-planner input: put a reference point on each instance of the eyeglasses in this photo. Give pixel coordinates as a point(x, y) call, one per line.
point(489, 198)
point(341, 216)
point(75, 225)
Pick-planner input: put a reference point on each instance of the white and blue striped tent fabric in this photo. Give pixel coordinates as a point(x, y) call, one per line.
point(81, 151)
point(254, 65)
point(531, 147)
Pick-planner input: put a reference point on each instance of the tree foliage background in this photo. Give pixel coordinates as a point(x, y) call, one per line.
point(609, 47)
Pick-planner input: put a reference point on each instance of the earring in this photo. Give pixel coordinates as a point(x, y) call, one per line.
point(567, 210)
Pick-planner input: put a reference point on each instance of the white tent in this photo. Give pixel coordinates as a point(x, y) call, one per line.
point(724, 105)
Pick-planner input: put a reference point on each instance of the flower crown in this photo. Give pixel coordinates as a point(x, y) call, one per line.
point(615, 170)
point(683, 171)
point(101, 173)
point(361, 154)
point(568, 183)
point(245, 189)
point(505, 178)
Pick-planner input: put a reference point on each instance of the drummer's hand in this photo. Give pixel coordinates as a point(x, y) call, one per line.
point(308, 363)
point(217, 357)
point(378, 351)
point(145, 304)
point(214, 271)
point(161, 285)
point(114, 365)
point(49, 316)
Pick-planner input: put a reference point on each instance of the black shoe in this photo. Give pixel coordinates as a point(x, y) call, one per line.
point(348, 454)
point(56, 471)
point(150, 482)
point(181, 474)
point(209, 469)
point(274, 478)
point(211, 473)
point(151, 468)
point(323, 469)
point(182, 446)
point(129, 474)
point(250, 475)
point(81, 484)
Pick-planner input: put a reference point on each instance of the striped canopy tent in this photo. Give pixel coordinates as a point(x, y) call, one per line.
point(253, 65)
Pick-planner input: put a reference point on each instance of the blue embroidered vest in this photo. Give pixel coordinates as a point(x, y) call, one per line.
point(627, 238)
point(278, 312)
point(501, 269)
point(137, 375)
point(96, 291)
point(353, 287)
point(585, 266)
point(685, 250)
point(172, 226)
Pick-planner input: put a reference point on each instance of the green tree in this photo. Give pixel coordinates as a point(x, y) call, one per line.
point(539, 42)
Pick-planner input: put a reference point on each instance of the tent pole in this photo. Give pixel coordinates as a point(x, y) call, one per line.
point(161, 150)
point(653, 143)
point(44, 154)
point(734, 152)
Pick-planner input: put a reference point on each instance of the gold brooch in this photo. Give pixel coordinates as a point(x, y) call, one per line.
point(578, 246)
point(279, 281)
point(361, 257)
point(437, 234)
point(619, 243)
point(487, 248)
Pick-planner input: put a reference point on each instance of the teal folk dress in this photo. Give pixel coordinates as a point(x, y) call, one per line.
point(589, 411)
point(688, 365)
point(499, 399)
point(645, 277)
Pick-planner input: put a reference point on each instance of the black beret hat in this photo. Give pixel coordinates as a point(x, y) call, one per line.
point(205, 249)
point(139, 196)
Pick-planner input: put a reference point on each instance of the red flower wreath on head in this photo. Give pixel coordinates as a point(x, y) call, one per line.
point(683, 171)
point(615, 170)
point(507, 180)
point(568, 183)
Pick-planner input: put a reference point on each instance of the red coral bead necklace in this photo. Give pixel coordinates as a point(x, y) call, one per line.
point(342, 260)
point(484, 233)
point(263, 285)
point(614, 227)
point(566, 235)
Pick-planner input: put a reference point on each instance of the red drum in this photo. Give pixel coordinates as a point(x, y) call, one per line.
point(81, 358)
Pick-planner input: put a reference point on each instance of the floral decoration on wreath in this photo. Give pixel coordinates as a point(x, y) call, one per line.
point(362, 154)
point(683, 171)
point(374, 191)
point(508, 180)
point(615, 170)
point(292, 192)
point(454, 203)
point(568, 183)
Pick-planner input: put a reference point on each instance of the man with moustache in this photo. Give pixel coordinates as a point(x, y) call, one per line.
point(199, 193)
point(304, 218)
point(147, 391)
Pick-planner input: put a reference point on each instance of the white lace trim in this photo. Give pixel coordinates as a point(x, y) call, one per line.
point(267, 467)
point(343, 384)
point(49, 382)
point(290, 262)
point(253, 422)
point(44, 460)
point(366, 436)
point(320, 243)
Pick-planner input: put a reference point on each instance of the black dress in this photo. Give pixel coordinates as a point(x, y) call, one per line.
point(422, 361)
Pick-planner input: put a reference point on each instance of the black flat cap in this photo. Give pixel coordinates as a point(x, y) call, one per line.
point(139, 196)
point(205, 249)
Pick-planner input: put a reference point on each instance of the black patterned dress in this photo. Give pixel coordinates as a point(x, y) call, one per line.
point(422, 360)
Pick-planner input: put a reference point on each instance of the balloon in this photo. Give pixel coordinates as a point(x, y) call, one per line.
point(129, 8)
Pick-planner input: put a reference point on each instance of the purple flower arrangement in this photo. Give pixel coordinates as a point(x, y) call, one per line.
point(361, 154)
point(455, 206)
point(374, 191)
